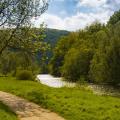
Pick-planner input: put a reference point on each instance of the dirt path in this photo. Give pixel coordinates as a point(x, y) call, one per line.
point(27, 110)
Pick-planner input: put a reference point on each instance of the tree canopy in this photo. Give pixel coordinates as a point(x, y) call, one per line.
point(16, 15)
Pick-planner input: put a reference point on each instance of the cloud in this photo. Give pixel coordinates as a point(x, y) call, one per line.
point(97, 10)
point(109, 4)
point(92, 3)
point(78, 21)
point(52, 21)
point(113, 5)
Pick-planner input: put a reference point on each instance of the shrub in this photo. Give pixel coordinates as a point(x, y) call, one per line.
point(25, 75)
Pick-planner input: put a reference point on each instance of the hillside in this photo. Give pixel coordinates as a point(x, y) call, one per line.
point(53, 35)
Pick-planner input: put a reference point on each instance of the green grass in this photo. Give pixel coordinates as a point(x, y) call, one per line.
point(71, 103)
point(6, 114)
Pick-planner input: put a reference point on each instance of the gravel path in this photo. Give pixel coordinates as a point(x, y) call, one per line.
point(27, 110)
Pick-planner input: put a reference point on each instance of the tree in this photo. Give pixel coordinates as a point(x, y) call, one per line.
point(105, 65)
point(99, 69)
point(27, 42)
point(15, 14)
point(95, 27)
point(77, 64)
point(8, 62)
point(18, 12)
point(62, 47)
point(114, 18)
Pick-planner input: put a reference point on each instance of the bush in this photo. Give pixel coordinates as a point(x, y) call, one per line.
point(25, 75)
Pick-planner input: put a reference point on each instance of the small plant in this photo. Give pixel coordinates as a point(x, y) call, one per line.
point(25, 75)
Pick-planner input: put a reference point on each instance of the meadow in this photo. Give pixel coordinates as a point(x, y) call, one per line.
point(71, 103)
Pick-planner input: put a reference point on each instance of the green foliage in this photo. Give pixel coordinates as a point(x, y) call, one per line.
point(20, 13)
point(114, 18)
point(53, 35)
point(95, 27)
point(24, 47)
point(105, 66)
point(99, 71)
point(63, 45)
point(30, 40)
point(76, 64)
point(24, 75)
point(8, 62)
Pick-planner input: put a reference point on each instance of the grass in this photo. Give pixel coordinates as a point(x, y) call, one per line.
point(6, 114)
point(71, 103)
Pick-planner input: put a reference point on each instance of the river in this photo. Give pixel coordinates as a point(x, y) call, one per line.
point(52, 81)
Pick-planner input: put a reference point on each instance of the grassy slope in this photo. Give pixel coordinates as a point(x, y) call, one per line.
point(5, 113)
point(71, 103)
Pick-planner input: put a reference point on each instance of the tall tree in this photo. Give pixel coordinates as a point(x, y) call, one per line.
point(15, 14)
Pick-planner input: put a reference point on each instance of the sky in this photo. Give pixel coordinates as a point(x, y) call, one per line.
point(73, 15)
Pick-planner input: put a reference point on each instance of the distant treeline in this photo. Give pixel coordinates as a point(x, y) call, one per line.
point(90, 55)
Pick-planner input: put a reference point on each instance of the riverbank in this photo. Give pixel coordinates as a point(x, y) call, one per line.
point(57, 82)
point(105, 90)
point(71, 103)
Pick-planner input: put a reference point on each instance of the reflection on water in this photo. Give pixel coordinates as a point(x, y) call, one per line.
point(51, 81)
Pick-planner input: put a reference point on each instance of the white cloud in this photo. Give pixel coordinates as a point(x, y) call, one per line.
point(78, 21)
point(52, 21)
point(105, 4)
point(92, 3)
point(103, 9)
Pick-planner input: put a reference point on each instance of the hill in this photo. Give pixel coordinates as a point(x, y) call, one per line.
point(53, 35)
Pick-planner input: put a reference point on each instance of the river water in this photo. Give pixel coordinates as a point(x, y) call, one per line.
point(51, 81)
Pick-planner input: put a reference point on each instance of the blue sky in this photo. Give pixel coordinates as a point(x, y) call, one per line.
point(62, 8)
point(76, 14)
